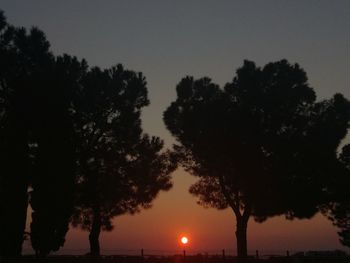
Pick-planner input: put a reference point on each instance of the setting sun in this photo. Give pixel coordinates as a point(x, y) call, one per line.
point(184, 240)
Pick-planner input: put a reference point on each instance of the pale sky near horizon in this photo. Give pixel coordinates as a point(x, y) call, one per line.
point(168, 40)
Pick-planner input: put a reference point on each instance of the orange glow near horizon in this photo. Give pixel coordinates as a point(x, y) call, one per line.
point(175, 215)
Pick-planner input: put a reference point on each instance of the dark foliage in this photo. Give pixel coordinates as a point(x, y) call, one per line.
point(57, 114)
point(262, 145)
point(13, 147)
point(120, 170)
point(55, 156)
point(36, 147)
point(339, 210)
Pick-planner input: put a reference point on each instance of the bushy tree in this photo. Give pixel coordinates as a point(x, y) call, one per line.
point(120, 169)
point(36, 146)
point(13, 145)
point(338, 211)
point(262, 145)
point(54, 155)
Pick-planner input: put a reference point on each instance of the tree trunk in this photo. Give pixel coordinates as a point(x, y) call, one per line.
point(241, 236)
point(95, 233)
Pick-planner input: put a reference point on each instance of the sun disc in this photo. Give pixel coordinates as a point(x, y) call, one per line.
point(184, 240)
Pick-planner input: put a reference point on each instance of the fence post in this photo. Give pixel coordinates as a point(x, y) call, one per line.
point(184, 254)
point(257, 254)
point(287, 253)
point(142, 253)
point(223, 254)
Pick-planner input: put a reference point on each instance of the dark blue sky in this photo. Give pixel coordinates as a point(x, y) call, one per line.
point(170, 39)
point(167, 40)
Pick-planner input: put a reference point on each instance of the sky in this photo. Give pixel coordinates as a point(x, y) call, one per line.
point(168, 40)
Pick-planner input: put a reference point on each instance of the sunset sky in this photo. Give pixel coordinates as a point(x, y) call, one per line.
point(168, 40)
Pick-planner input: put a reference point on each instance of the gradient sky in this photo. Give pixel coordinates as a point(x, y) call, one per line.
point(167, 40)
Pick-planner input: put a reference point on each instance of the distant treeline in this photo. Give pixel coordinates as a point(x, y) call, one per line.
point(72, 145)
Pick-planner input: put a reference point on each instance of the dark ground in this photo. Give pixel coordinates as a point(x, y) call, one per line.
point(181, 259)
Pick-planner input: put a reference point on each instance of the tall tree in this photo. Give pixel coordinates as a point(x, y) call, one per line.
point(55, 154)
point(13, 146)
point(36, 140)
point(23, 56)
point(120, 170)
point(262, 145)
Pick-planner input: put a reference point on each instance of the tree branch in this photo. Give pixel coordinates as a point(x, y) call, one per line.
point(231, 202)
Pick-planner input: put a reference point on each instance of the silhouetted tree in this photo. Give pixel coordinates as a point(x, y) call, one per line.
point(339, 210)
point(36, 140)
point(55, 155)
point(120, 170)
point(340, 216)
point(13, 145)
point(262, 145)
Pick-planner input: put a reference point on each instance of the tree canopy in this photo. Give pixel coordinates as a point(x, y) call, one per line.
point(13, 148)
point(120, 169)
point(37, 143)
point(54, 156)
point(262, 145)
point(59, 118)
point(338, 211)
